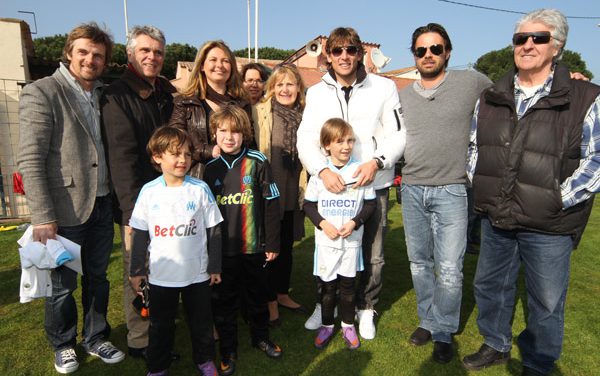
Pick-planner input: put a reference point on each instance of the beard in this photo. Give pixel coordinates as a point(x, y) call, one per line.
point(432, 72)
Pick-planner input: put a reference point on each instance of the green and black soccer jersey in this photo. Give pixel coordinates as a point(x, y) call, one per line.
point(248, 199)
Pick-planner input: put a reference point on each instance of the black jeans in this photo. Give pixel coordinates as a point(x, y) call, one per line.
point(164, 302)
point(242, 276)
point(280, 270)
point(96, 239)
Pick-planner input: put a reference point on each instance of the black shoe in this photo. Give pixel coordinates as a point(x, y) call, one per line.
point(442, 352)
point(227, 366)
point(140, 353)
point(420, 337)
point(135, 352)
point(485, 357)
point(269, 348)
point(531, 372)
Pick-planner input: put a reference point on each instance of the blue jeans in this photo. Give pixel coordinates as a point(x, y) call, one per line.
point(96, 239)
point(435, 227)
point(369, 284)
point(546, 259)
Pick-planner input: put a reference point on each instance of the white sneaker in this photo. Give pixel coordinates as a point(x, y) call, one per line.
point(315, 321)
point(366, 326)
point(65, 361)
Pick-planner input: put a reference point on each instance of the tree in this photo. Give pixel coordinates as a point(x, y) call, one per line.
point(50, 48)
point(495, 64)
point(270, 53)
point(175, 52)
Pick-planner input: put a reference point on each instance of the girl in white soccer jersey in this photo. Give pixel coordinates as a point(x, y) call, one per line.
point(176, 221)
point(338, 218)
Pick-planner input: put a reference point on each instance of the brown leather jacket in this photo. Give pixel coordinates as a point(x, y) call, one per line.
point(191, 114)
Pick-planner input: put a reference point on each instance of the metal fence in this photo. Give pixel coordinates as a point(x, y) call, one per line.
point(12, 204)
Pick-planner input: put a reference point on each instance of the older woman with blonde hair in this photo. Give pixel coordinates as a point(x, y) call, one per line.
point(214, 82)
point(276, 120)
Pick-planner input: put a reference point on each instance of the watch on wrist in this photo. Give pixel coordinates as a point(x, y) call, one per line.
point(379, 163)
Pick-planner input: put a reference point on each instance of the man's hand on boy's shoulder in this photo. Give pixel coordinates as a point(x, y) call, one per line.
point(215, 279)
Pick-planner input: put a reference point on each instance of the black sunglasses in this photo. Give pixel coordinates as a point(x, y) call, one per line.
point(538, 37)
point(436, 49)
point(350, 50)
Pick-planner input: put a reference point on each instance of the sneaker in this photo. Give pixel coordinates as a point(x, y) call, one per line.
point(107, 352)
point(350, 337)
point(366, 326)
point(227, 366)
point(269, 348)
point(324, 336)
point(207, 368)
point(315, 321)
point(65, 360)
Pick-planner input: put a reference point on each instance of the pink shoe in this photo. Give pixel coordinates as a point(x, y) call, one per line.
point(323, 337)
point(207, 368)
point(350, 337)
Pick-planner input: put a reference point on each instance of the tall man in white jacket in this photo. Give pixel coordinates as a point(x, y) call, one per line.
point(370, 104)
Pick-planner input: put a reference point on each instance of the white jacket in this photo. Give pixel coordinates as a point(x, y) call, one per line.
point(373, 110)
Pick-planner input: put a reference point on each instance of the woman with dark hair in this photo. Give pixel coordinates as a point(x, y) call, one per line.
point(214, 82)
point(276, 119)
point(254, 76)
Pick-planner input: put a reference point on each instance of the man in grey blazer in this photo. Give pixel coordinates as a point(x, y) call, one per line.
point(62, 160)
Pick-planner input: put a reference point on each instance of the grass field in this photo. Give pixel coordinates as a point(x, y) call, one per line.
point(25, 351)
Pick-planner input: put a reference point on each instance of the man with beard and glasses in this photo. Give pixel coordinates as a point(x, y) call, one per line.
point(437, 115)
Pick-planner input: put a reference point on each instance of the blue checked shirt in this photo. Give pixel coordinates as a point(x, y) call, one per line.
point(585, 180)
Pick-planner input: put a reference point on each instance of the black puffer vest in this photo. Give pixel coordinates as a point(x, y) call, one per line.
point(521, 163)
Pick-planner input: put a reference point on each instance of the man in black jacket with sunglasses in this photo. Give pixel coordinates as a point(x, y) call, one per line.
point(534, 161)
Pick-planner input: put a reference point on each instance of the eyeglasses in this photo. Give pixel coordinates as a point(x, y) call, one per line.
point(436, 49)
point(254, 82)
point(350, 50)
point(538, 37)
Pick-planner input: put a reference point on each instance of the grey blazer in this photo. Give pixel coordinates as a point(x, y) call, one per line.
point(57, 155)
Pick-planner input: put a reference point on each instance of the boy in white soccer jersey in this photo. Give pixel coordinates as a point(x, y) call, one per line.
point(338, 218)
point(176, 221)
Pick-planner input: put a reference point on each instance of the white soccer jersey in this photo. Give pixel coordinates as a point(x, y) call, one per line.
point(339, 208)
point(177, 219)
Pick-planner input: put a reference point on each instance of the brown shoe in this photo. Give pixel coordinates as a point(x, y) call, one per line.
point(420, 337)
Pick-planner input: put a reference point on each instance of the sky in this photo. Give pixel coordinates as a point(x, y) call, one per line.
point(291, 24)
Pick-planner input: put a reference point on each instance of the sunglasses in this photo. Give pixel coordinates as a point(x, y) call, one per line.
point(538, 37)
point(350, 50)
point(436, 49)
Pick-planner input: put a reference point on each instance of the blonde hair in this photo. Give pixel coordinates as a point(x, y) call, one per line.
point(238, 122)
point(197, 83)
point(280, 73)
point(334, 129)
